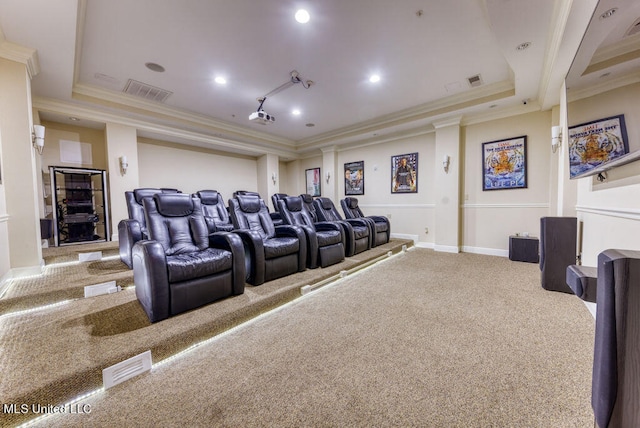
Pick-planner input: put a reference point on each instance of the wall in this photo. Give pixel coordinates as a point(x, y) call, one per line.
point(609, 212)
point(490, 217)
point(191, 169)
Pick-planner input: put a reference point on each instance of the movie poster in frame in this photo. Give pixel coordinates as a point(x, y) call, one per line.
point(404, 173)
point(593, 143)
point(504, 164)
point(313, 181)
point(354, 178)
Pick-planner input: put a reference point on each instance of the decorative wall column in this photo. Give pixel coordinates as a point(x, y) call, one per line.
point(447, 212)
point(121, 140)
point(268, 177)
point(19, 208)
point(330, 165)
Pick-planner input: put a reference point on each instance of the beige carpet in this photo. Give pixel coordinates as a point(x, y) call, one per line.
point(52, 355)
point(425, 339)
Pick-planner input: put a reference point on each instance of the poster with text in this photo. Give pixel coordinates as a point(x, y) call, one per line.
point(354, 178)
point(404, 173)
point(505, 164)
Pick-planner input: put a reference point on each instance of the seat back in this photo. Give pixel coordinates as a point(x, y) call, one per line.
point(307, 200)
point(295, 211)
point(275, 198)
point(350, 208)
point(326, 210)
point(215, 212)
point(249, 211)
point(177, 222)
point(134, 202)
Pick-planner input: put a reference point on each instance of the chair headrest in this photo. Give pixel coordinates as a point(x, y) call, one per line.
point(208, 197)
point(249, 203)
point(293, 203)
point(170, 190)
point(352, 202)
point(173, 204)
point(142, 193)
point(307, 198)
point(326, 203)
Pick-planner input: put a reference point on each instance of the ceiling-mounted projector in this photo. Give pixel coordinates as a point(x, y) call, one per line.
point(262, 117)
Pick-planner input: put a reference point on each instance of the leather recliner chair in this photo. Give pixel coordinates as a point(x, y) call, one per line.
point(274, 200)
point(307, 200)
point(182, 266)
point(356, 230)
point(380, 226)
point(271, 251)
point(275, 216)
point(325, 240)
point(215, 212)
point(134, 228)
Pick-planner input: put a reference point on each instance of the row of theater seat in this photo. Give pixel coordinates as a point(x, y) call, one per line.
point(190, 250)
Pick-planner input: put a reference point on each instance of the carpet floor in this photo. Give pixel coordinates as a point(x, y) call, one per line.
point(421, 339)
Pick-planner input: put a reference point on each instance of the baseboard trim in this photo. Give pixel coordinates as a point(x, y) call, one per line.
point(429, 245)
point(486, 251)
point(447, 248)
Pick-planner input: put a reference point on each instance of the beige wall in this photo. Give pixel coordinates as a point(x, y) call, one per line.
point(610, 211)
point(193, 169)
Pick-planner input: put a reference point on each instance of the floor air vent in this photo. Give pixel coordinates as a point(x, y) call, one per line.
point(125, 370)
point(148, 92)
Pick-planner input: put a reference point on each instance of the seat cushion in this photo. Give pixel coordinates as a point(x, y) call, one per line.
point(360, 232)
point(381, 227)
point(182, 267)
point(278, 247)
point(328, 237)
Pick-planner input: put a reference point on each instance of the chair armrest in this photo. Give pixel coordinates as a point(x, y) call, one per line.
point(151, 279)
point(327, 225)
point(254, 260)
point(296, 232)
point(312, 245)
point(129, 232)
point(233, 243)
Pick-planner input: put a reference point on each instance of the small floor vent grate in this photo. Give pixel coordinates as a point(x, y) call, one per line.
point(126, 369)
point(148, 92)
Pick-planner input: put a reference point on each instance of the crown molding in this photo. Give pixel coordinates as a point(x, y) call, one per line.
point(172, 133)
point(473, 97)
point(160, 111)
point(20, 54)
point(608, 85)
point(444, 123)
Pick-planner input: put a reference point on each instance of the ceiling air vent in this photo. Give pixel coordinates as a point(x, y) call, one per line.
point(148, 92)
point(634, 29)
point(474, 80)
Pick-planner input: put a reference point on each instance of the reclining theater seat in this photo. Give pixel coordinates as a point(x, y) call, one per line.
point(325, 240)
point(134, 228)
point(380, 226)
point(274, 200)
point(307, 200)
point(275, 216)
point(271, 251)
point(356, 230)
point(182, 266)
point(215, 213)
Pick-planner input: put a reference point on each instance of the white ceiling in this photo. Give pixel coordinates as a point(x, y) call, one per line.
point(424, 51)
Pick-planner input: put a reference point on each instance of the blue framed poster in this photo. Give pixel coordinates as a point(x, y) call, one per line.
point(504, 164)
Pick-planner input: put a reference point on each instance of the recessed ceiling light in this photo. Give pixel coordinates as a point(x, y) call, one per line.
point(154, 67)
point(302, 16)
point(374, 78)
point(310, 125)
point(523, 46)
point(295, 112)
point(220, 80)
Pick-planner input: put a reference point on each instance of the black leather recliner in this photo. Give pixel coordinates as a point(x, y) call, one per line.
point(356, 230)
point(325, 240)
point(307, 200)
point(380, 226)
point(274, 200)
point(182, 266)
point(215, 212)
point(134, 228)
point(275, 216)
point(271, 251)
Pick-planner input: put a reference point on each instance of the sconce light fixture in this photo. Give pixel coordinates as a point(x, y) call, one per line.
point(327, 176)
point(38, 138)
point(556, 138)
point(274, 177)
point(124, 164)
point(445, 163)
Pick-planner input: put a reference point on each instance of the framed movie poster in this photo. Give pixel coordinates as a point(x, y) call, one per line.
point(404, 173)
point(593, 143)
point(504, 164)
point(354, 178)
point(313, 181)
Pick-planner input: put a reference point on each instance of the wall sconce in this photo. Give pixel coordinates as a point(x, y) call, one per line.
point(274, 177)
point(445, 163)
point(37, 138)
point(556, 138)
point(327, 176)
point(123, 164)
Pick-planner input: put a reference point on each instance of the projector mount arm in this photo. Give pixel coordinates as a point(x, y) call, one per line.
point(295, 78)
